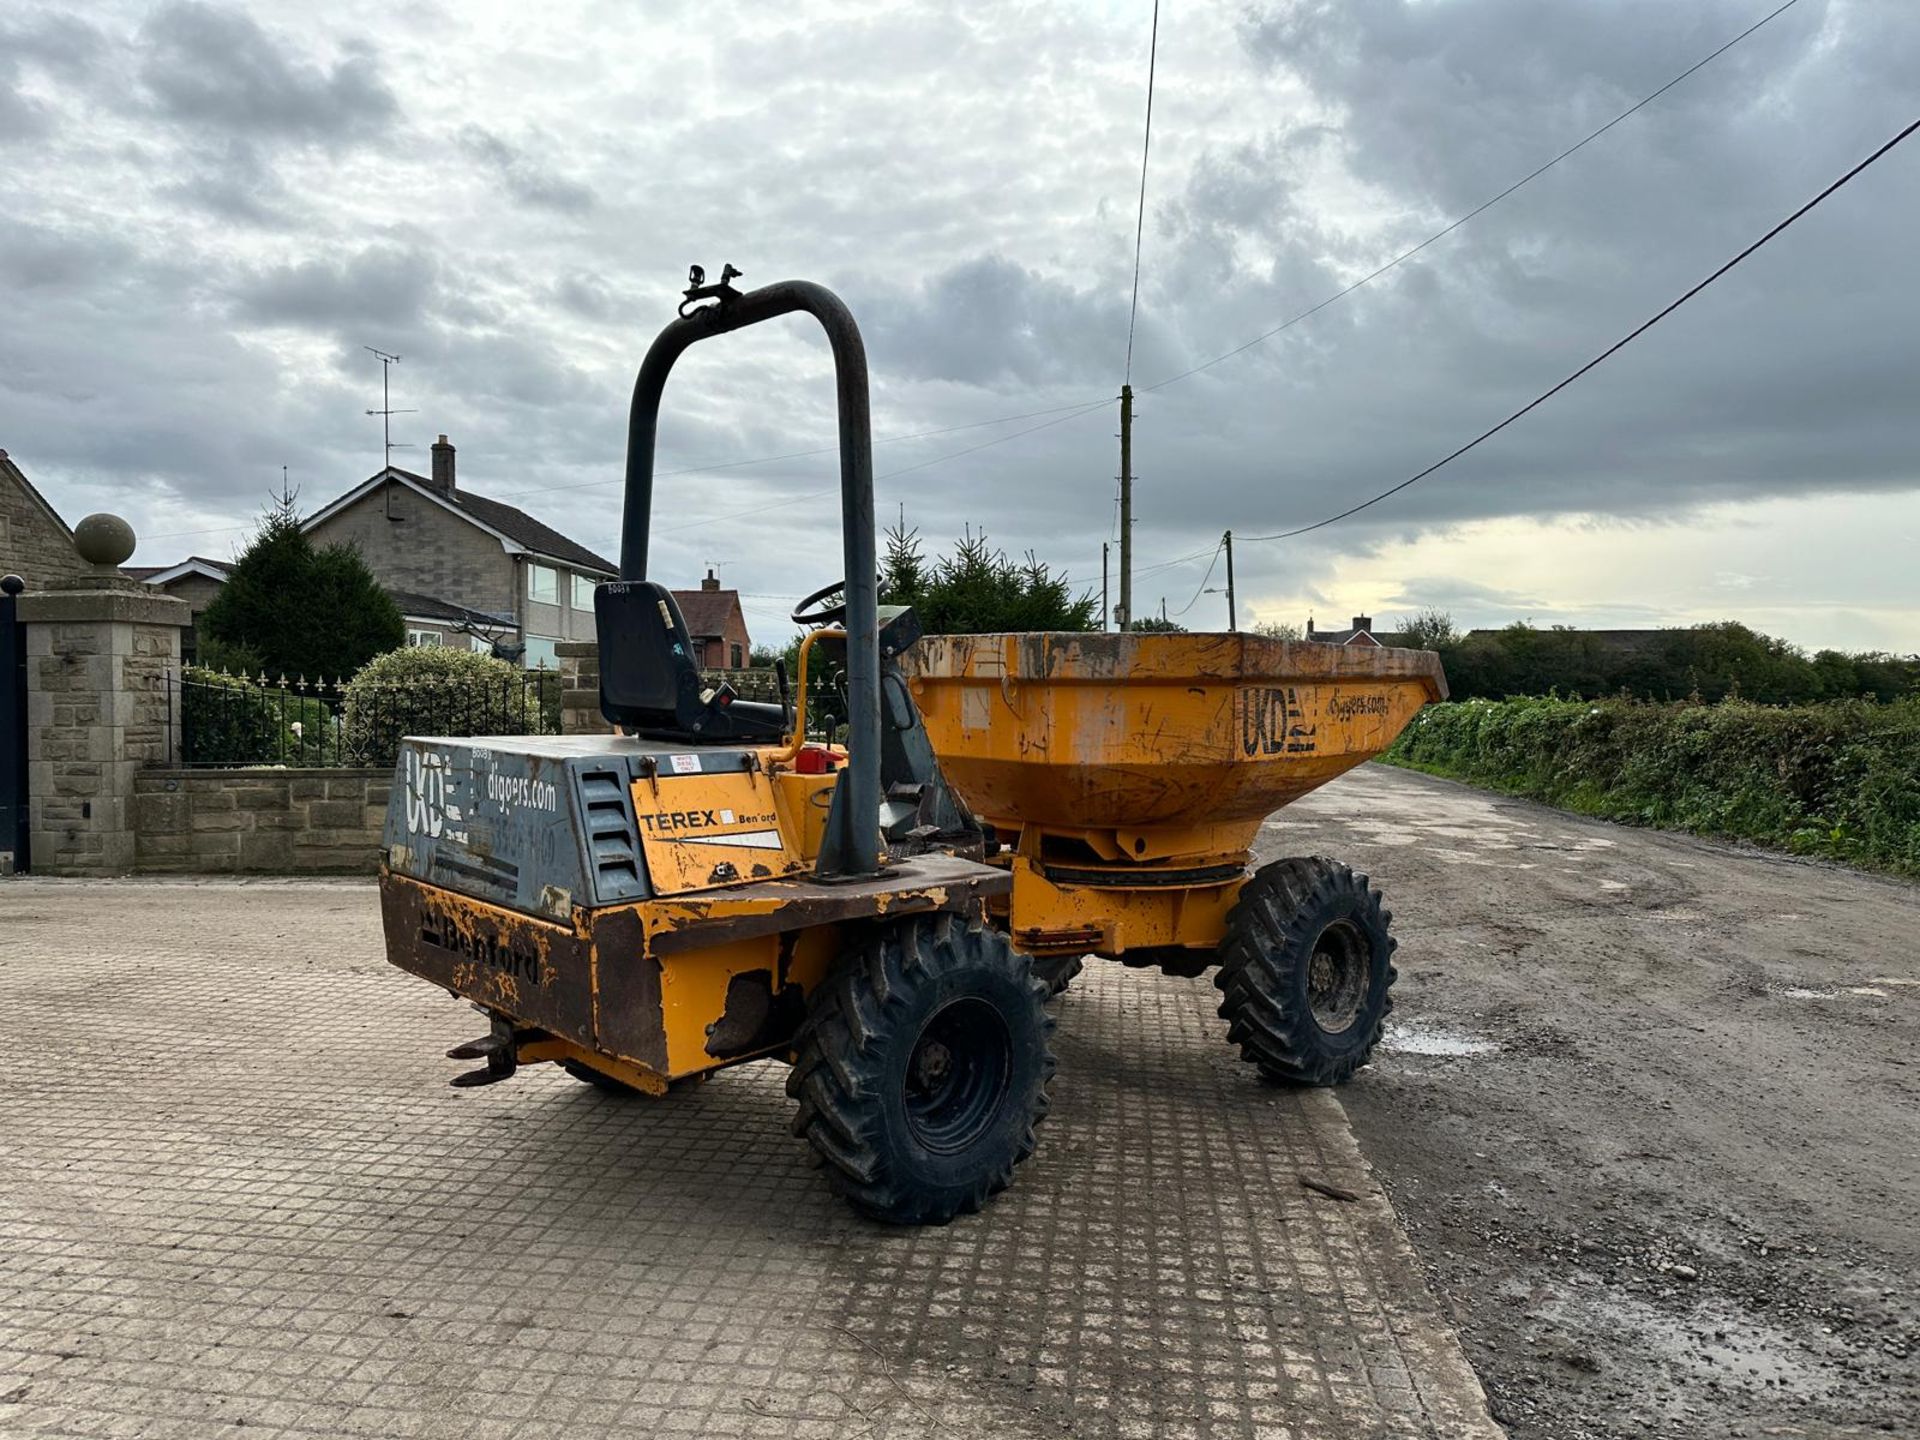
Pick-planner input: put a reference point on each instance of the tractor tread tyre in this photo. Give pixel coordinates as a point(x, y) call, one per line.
point(866, 1025)
point(1279, 919)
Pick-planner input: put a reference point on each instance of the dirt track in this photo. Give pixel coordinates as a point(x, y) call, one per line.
point(1650, 1112)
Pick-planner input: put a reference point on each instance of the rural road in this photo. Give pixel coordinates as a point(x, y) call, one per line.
point(1649, 1111)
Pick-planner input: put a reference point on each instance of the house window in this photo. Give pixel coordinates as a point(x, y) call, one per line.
point(543, 584)
point(583, 586)
point(481, 645)
point(540, 654)
point(736, 658)
point(417, 638)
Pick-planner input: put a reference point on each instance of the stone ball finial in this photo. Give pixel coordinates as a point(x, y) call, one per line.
point(103, 539)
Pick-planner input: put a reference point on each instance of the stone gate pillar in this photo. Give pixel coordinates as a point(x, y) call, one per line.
point(99, 650)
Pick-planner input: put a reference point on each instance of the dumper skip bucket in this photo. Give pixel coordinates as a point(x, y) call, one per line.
point(1147, 748)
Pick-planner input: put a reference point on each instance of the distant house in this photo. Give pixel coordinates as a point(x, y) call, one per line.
point(473, 572)
point(35, 543)
point(465, 569)
point(717, 625)
point(1360, 632)
point(195, 579)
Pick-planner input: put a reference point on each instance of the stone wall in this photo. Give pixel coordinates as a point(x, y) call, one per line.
point(278, 822)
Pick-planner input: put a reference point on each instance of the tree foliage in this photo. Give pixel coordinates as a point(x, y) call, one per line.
point(1721, 661)
point(293, 608)
point(1431, 629)
point(977, 589)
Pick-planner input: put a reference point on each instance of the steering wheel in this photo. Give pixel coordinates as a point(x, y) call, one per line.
point(826, 614)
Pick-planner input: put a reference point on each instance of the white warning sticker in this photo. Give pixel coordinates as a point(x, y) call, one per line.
point(685, 764)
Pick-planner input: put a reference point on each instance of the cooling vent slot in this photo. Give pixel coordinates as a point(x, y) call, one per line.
point(613, 842)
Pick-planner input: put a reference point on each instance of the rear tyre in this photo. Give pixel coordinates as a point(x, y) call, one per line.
point(1057, 972)
point(1306, 971)
point(922, 1070)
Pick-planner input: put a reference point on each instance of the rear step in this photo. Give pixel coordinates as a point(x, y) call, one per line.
point(507, 1047)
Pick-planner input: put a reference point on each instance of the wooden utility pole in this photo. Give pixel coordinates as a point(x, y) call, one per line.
point(1233, 621)
point(1106, 615)
point(1126, 506)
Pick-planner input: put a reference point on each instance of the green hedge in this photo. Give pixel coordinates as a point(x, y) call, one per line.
point(1840, 779)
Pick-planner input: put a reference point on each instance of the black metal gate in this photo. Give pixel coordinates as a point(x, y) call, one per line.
point(13, 724)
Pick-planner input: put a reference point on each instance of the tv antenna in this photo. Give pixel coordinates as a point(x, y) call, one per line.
point(386, 412)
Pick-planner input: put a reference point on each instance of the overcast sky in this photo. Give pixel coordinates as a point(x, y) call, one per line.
point(210, 208)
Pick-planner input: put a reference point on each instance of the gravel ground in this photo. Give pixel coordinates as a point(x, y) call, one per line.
point(1647, 1111)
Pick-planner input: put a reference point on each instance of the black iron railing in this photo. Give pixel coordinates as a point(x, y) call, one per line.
point(219, 720)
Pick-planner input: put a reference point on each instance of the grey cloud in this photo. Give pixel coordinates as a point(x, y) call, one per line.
point(389, 284)
point(988, 320)
point(526, 177)
point(58, 44)
point(233, 182)
point(218, 69)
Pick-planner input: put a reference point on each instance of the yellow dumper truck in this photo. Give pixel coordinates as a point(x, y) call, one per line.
point(888, 913)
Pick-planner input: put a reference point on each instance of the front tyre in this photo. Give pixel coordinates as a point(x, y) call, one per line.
point(1306, 971)
point(922, 1069)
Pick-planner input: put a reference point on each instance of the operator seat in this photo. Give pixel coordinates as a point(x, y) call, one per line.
point(649, 681)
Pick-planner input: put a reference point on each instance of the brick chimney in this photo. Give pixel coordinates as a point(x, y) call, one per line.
point(442, 466)
point(712, 582)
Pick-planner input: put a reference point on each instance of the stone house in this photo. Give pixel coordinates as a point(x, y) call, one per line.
point(469, 571)
point(35, 543)
point(465, 569)
point(717, 625)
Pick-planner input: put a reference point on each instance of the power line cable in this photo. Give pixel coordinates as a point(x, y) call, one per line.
point(1609, 352)
point(1140, 220)
point(1477, 210)
point(1202, 588)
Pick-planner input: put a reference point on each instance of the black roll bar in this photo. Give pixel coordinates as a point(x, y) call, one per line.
point(856, 850)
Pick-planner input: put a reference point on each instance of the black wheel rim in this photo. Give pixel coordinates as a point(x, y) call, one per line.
point(1337, 976)
point(957, 1075)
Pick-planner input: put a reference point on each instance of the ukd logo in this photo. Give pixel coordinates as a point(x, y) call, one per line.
point(426, 793)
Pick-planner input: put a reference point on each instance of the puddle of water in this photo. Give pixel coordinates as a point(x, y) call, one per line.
point(1613, 885)
point(1421, 1040)
point(1743, 1350)
point(1796, 993)
point(1890, 980)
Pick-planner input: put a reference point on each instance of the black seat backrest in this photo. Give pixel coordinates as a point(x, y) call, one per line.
point(646, 655)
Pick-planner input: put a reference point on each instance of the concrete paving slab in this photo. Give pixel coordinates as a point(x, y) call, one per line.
point(239, 1199)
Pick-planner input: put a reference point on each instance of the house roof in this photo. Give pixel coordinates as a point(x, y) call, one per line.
point(430, 607)
point(708, 611)
point(192, 565)
point(514, 528)
point(413, 605)
point(19, 478)
point(1347, 637)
